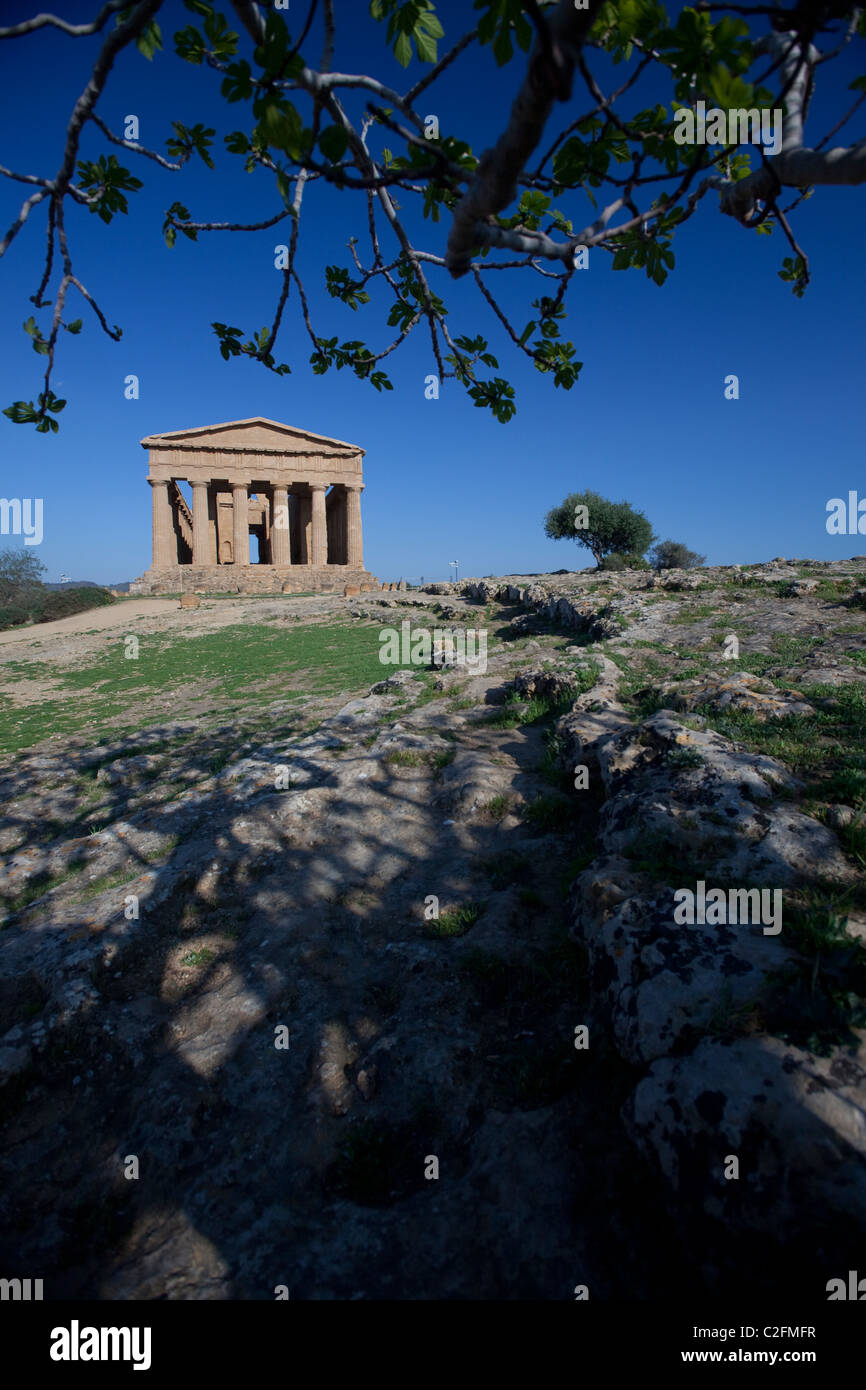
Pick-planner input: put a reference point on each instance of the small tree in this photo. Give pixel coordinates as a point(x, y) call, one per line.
point(673, 555)
point(600, 525)
point(20, 573)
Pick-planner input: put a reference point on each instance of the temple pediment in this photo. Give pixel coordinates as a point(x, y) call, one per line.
point(257, 435)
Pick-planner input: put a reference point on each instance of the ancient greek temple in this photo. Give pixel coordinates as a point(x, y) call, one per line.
point(296, 494)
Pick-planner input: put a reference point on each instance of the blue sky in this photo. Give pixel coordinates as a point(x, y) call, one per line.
point(739, 481)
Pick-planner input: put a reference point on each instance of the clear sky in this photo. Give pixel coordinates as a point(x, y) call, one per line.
point(739, 481)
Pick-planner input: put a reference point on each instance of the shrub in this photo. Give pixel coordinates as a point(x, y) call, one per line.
point(13, 615)
point(617, 561)
point(35, 603)
point(673, 555)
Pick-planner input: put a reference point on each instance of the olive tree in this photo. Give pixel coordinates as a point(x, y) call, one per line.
point(605, 528)
point(576, 167)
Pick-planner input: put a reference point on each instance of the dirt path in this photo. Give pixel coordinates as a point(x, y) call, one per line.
point(114, 615)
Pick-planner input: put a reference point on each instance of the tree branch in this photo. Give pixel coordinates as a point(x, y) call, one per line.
point(250, 17)
point(495, 183)
point(135, 147)
point(795, 165)
point(77, 31)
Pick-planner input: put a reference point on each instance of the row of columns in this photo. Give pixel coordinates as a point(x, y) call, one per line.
point(165, 543)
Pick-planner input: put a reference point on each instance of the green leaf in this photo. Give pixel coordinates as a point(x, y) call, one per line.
point(503, 49)
point(149, 40)
point(523, 32)
point(75, 326)
point(20, 412)
point(430, 22)
point(426, 46)
point(237, 85)
point(333, 141)
point(283, 188)
point(281, 127)
point(189, 45)
point(403, 50)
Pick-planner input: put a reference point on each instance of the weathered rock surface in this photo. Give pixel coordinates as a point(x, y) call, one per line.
point(238, 885)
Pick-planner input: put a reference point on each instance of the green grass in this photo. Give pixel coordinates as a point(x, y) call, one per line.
point(438, 761)
point(549, 813)
point(694, 615)
point(817, 1002)
point(246, 663)
point(683, 758)
point(529, 986)
point(829, 746)
point(456, 921)
point(576, 865)
point(666, 861)
point(106, 881)
point(38, 886)
point(506, 868)
point(521, 1003)
point(517, 710)
point(378, 1162)
point(787, 650)
point(404, 757)
point(204, 956)
point(412, 757)
point(529, 898)
point(832, 590)
point(853, 837)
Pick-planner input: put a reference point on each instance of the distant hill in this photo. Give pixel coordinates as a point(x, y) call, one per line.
point(89, 584)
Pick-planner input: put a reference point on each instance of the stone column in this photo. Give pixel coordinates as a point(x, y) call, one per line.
point(240, 524)
point(164, 538)
point(200, 530)
point(354, 539)
point(319, 541)
point(281, 551)
point(213, 542)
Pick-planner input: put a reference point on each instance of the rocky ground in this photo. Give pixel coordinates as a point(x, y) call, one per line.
point(267, 964)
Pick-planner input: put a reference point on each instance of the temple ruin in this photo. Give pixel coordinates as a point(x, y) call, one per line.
point(298, 494)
